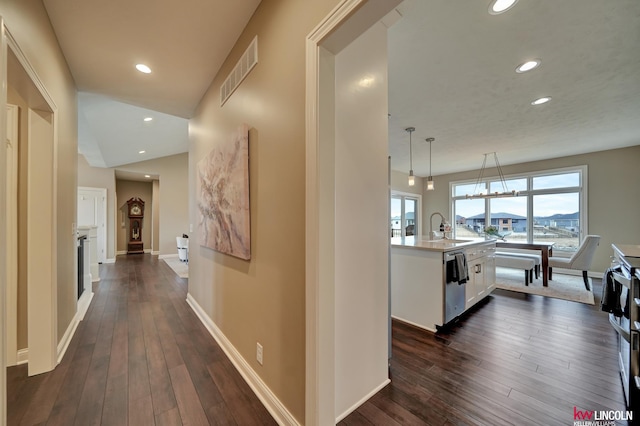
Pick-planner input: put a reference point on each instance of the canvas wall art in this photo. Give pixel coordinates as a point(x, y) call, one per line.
point(223, 197)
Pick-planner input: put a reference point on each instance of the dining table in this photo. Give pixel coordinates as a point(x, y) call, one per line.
point(545, 247)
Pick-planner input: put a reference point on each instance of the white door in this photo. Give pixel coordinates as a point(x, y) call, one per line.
point(92, 211)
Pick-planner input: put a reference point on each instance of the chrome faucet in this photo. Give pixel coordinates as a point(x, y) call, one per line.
point(444, 221)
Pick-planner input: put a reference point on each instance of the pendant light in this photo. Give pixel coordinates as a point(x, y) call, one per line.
point(505, 191)
point(430, 186)
point(412, 179)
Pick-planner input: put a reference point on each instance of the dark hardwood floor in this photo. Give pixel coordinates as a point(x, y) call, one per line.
point(515, 360)
point(140, 357)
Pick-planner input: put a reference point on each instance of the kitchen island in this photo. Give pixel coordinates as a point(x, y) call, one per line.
point(420, 294)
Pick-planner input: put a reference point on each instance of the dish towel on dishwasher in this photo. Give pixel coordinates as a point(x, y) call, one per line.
point(463, 271)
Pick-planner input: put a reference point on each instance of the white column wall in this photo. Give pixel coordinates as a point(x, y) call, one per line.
point(361, 222)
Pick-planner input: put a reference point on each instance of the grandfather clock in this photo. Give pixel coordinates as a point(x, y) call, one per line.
point(135, 210)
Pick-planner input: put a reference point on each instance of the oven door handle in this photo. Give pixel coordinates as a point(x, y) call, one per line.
point(621, 331)
point(622, 279)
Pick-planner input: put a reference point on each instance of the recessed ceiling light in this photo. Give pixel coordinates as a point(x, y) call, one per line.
point(143, 68)
point(528, 66)
point(541, 101)
point(142, 152)
point(148, 119)
point(147, 176)
point(497, 7)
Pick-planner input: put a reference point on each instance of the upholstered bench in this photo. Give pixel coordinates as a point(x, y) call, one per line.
point(529, 254)
point(527, 264)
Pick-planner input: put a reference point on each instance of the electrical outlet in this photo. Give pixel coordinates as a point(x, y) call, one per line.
point(259, 353)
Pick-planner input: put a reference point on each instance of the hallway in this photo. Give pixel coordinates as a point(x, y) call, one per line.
point(140, 357)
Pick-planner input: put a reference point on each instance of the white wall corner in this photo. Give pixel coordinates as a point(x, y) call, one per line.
point(155, 253)
point(262, 391)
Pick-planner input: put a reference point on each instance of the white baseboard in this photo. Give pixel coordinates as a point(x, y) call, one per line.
point(262, 391)
point(81, 310)
point(95, 280)
point(110, 261)
point(362, 401)
point(83, 304)
point(155, 253)
point(147, 251)
point(167, 256)
point(119, 252)
point(23, 356)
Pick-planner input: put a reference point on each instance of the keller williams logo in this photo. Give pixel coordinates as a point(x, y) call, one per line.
point(599, 418)
point(582, 415)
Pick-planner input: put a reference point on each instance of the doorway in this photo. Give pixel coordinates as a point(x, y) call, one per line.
point(31, 305)
point(92, 211)
point(347, 178)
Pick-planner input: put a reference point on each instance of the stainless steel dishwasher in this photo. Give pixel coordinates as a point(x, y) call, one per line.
point(454, 285)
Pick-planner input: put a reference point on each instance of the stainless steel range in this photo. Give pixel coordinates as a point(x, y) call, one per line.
point(627, 324)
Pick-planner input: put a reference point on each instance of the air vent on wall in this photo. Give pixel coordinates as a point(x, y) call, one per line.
point(247, 61)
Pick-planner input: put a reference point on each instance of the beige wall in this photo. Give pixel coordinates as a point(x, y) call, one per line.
point(125, 190)
point(400, 182)
point(173, 199)
point(29, 25)
point(262, 300)
point(98, 177)
point(613, 195)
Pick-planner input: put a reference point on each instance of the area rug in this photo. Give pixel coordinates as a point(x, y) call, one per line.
point(180, 268)
point(567, 287)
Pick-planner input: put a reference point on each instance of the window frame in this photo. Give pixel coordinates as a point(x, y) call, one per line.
point(530, 193)
point(418, 218)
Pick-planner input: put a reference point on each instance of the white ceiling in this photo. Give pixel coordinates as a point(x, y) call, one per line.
point(184, 42)
point(451, 76)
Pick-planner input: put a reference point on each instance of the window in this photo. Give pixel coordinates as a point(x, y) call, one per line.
point(551, 207)
point(405, 214)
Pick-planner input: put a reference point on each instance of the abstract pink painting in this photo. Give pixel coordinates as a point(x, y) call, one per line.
point(223, 197)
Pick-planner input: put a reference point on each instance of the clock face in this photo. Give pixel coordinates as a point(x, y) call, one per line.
point(135, 209)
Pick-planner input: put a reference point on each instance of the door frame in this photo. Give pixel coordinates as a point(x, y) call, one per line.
point(11, 323)
point(42, 285)
point(343, 27)
point(102, 230)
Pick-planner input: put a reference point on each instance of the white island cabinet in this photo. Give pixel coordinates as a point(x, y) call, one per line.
point(419, 292)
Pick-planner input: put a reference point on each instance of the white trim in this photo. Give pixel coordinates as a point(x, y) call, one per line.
point(155, 253)
point(22, 356)
point(167, 256)
point(110, 260)
point(147, 251)
point(418, 214)
point(262, 391)
point(120, 252)
point(413, 324)
point(83, 304)
point(319, 299)
point(11, 295)
point(82, 307)
point(43, 295)
point(355, 406)
point(66, 338)
point(3, 222)
point(101, 228)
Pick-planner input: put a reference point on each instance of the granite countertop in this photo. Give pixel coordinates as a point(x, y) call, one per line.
point(424, 243)
point(631, 254)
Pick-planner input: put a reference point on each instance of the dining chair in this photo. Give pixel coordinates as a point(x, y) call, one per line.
point(581, 259)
